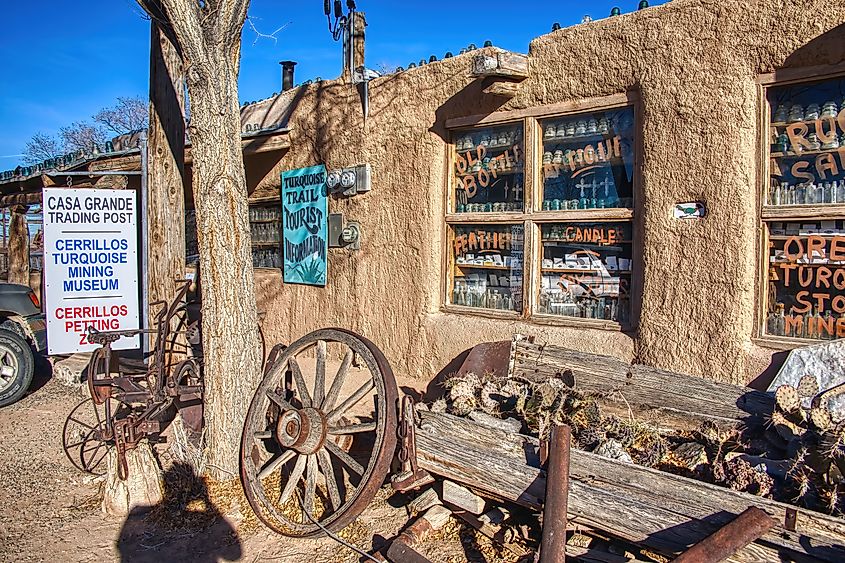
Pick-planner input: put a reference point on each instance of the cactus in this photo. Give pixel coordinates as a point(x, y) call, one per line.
point(787, 398)
point(463, 405)
point(808, 387)
point(486, 397)
point(820, 417)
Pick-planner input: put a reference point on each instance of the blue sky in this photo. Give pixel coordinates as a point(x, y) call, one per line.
point(64, 63)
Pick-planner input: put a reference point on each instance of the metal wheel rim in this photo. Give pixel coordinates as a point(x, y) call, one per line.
point(81, 446)
point(8, 368)
point(380, 457)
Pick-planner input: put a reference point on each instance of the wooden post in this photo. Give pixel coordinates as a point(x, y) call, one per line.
point(166, 167)
point(19, 246)
point(359, 24)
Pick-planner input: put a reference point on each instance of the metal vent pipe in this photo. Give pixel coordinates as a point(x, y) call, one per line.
point(287, 74)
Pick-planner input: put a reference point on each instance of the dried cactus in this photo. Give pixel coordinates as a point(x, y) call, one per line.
point(487, 397)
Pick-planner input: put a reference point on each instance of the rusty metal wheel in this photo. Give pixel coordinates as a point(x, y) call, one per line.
point(318, 442)
point(85, 435)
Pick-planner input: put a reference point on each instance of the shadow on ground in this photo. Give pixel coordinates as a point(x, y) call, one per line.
point(186, 526)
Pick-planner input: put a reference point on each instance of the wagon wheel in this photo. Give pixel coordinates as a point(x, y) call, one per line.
point(84, 436)
point(298, 463)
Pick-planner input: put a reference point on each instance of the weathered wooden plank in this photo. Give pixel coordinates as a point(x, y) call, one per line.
point(165, 174)
point(648, 389)
point(18, 247)
point(665, 512)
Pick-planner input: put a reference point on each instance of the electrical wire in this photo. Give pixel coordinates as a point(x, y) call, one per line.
point(339, 540)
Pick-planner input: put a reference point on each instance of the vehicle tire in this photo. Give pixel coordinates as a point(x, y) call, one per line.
point(16, 367)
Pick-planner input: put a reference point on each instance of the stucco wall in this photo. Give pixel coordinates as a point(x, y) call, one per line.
point(694, 64)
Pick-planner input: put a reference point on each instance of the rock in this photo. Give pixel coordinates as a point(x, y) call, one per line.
point(613, 450)
point(71, 371)
point(691, 455)
point(824, 361)
point(142, 488)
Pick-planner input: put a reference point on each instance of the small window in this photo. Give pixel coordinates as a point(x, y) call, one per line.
point(586, 270)
point(588, 161)
point(487, 266)
point(489, 170)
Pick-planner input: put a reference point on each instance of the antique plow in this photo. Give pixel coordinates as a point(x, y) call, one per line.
point(130, 402)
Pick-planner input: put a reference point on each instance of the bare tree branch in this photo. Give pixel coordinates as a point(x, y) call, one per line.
point(127, 115)
point(259, 35)
point(82, 136)
point(41, 147)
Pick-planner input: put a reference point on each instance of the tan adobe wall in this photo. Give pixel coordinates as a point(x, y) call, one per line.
point(694, 64)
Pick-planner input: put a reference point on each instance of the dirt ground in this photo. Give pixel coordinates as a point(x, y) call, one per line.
point(50, 511)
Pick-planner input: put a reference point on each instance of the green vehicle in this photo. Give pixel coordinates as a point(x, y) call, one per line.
point(23, 333)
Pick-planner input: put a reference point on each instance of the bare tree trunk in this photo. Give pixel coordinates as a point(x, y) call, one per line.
point(229, 319)
point(209, 35)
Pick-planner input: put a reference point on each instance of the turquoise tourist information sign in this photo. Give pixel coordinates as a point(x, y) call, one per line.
point(304, 225)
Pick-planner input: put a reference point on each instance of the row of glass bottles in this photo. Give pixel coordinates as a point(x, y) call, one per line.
point(811, 324)
point(783, 145)
point(265, 232)
point(603, 308)
point(578, 128)
point(796, 112)
point(265, 214)
point(266, 259)
point(807, 193)
point(477, 296)
point(501, 139)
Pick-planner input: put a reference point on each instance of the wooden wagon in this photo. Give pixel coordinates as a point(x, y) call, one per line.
point(310, 462)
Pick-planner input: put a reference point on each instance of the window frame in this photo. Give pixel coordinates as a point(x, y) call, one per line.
point(532, 217)
point(781, 213)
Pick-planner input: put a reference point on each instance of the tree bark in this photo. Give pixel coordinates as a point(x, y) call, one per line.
point(208, 35)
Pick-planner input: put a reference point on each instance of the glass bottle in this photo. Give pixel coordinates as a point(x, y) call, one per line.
point(800, 194)
point(781, 320)
point(582, 203)
point(810, 197)
point(828, 194)
point(809, 325)
point(828, 321)
point(771, 323)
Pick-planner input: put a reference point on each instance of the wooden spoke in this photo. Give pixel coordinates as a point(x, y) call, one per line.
point(263, 435)
point(279, 400)
point(328, 473)
point(348, 403)
point(304, 396)
point(293, 478)
point(310, 485)
point(353, 428)
point(320, 374)
point(345, 458)
point(274, 464)
point(328, 403)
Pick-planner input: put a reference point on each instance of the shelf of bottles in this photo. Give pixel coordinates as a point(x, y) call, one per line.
point(806, 279)
point(265, 229)
point(265, 224)
point(487, 266)
point(489, 170)
point(806, 137)
point(586, 270)
point(588, 160)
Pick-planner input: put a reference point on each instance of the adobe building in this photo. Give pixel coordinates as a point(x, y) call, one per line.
point(665, 186)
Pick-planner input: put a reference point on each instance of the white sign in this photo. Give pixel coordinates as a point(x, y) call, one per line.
point(690, 210)
point(90, 266)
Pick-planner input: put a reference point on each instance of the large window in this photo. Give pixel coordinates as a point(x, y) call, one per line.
point(804, 211)
point(540, 218)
